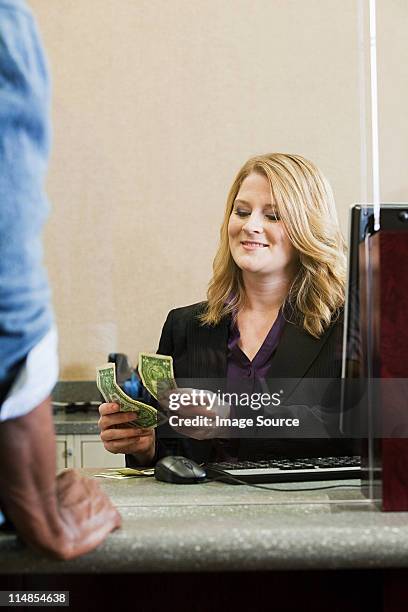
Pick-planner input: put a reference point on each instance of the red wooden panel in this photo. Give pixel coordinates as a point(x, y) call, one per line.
point(393, 360)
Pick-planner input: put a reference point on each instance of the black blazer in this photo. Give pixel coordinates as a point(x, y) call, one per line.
point(201, 352)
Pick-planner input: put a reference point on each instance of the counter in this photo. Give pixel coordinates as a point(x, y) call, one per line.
point(76, 423)
point(220, 527)
point(76, 395)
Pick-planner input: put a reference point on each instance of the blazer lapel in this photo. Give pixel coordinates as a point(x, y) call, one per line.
point(296, 352)
point(208, 349)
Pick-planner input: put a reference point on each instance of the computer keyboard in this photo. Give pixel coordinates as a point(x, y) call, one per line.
point(286, 470)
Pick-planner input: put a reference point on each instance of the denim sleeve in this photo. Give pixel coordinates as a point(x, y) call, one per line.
point(25, 307)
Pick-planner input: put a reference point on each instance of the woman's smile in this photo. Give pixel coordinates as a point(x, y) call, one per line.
point(249, 245)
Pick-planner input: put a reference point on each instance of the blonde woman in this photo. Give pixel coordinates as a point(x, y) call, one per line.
point(273, 309)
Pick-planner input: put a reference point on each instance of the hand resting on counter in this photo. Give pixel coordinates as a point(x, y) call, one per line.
point(62, 517)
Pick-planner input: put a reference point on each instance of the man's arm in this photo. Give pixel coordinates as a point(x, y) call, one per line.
point(64, 516)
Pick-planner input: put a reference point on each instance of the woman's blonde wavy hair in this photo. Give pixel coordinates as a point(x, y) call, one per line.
point(305, 204)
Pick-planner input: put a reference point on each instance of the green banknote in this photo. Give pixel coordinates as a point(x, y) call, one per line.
point(125, 473)
point(156, 370)
point(145, 416)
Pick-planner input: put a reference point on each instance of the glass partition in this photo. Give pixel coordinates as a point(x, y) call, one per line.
point(153, 116)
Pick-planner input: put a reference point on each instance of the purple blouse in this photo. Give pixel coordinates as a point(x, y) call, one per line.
point(241, 372)
point(244, 376)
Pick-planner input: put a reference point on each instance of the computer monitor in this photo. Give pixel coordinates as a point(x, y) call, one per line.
point(360, 224)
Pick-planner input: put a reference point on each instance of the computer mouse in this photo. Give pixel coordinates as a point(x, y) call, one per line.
point(179, 470)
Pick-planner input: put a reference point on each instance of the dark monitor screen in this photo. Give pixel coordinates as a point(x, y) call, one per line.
point(360, 224)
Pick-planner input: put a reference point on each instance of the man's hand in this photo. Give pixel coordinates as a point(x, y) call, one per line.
point(118, 437)
point(84, 510)
point(64, 516)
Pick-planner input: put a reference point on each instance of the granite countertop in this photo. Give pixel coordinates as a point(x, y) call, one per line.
point(221, 527)
point(75, 407)
point(76, 422)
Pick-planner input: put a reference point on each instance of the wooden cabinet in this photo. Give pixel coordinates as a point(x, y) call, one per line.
point(65, 452)
point(90, 451)
point(85, 451)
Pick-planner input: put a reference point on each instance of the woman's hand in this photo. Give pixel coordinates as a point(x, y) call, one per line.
point(183, 405)
point(118, 437)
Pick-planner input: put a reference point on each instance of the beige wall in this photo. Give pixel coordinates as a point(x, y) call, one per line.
point(156, 105)
point(393, 92)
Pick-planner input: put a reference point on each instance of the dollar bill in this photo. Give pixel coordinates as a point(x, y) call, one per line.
point(156, 372)
point(145, 416)
point(125, 472)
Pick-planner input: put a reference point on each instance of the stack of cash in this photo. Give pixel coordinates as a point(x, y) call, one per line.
point(154, 370)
